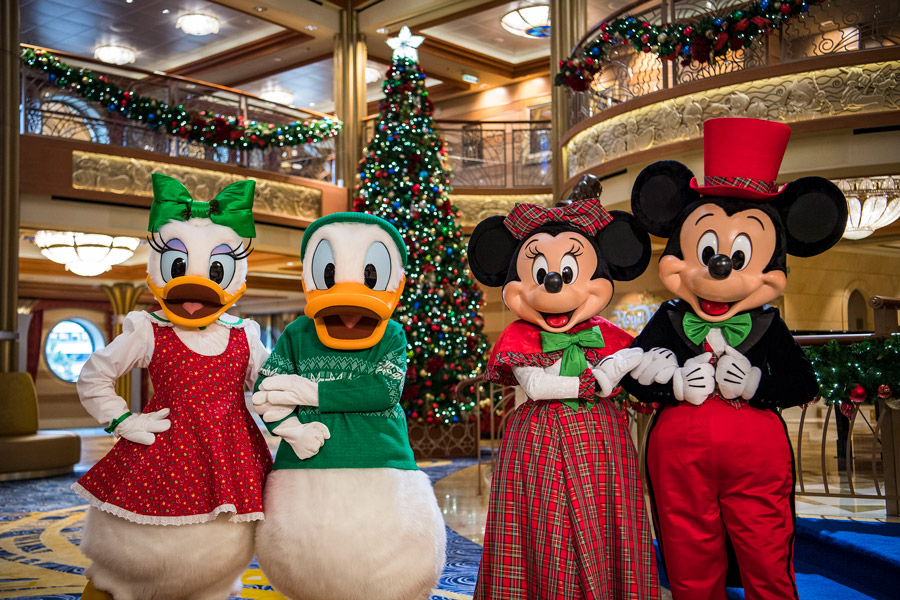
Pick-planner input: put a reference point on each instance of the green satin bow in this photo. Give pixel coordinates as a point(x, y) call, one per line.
point(232, 207)
point(735, 330)
point(573, 361)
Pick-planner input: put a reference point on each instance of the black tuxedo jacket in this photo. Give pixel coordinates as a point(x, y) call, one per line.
point(787, 376)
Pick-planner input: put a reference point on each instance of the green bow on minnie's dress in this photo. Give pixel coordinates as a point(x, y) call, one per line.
point(232, 207)
point(573, 361)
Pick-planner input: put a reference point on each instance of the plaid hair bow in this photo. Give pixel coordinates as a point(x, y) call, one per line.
point(586, 215)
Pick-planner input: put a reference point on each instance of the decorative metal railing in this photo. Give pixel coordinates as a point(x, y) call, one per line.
point(56, 112)
point(494, 154)
point(836, 456)
point(836, 27)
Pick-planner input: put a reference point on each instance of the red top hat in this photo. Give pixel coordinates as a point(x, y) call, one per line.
point(741, 158)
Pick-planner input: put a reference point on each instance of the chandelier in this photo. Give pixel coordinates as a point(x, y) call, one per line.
point(532, 21)
point(85, 254)
point(278, 95)
point(197, 24)
point(872, 203)
point(115, 55)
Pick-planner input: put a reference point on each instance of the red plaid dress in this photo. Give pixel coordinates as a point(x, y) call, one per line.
point(566, 518)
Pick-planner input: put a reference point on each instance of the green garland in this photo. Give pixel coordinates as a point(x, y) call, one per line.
point(842, 369)
point(203, 127)
point(700, 41)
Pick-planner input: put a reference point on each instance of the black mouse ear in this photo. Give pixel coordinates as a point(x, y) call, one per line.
point(491, 249)
point(814, 213)
point(658, 195)
point(625, 246)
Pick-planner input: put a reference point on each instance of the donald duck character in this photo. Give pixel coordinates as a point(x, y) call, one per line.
point(348, 513)
point(174, 504)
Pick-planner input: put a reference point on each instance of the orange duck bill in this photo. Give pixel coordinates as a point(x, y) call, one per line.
point(192, 301)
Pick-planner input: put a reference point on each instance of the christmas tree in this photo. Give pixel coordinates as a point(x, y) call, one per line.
point(403, 179)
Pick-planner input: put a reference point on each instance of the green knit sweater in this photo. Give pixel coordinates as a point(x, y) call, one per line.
point(359, 395)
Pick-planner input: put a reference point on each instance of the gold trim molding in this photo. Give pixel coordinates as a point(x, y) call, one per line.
point(791, 98)
point(475, 208)
point(122, 175)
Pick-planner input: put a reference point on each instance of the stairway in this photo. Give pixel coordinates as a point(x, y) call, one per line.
point(836, 559)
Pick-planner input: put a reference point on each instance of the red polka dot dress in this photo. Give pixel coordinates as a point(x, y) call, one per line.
point(213, 458)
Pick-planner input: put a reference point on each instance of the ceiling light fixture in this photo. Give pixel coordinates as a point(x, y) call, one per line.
point(85, 254)
point(278, 95)
point(197, 24)
point(165, 11)
point(531, 21)
point(872, 203)
point(311, 28)
point(372, 75)
point(114, 55)
point(383, 30)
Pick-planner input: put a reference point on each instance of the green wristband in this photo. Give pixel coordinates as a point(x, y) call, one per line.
point(115, 423)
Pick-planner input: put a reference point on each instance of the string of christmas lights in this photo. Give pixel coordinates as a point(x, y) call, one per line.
point(203, 127)
point(703, 41)
point(403, 179)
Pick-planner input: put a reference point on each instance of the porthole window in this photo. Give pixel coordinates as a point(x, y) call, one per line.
point(68, 346)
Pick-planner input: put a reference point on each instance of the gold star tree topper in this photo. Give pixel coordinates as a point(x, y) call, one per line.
point(405, 44)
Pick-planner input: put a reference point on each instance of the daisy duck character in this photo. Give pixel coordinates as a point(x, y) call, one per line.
point(721, 363)
point(566, 516)
point(174, 504)
point(349, 516)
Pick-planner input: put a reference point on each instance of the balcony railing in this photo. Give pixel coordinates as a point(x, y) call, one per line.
point(51, 111)
point(836, 27)
point(494, 154)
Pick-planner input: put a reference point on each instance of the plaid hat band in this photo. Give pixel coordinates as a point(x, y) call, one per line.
point(586, 215)
point(766, 187)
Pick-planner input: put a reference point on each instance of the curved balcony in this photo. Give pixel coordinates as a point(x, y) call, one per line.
point(48, 110)
point(836, 68)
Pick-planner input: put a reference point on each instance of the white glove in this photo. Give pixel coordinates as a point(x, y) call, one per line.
point(279, 394)
point(736, 376)
point(657, 365)
point(141, 428)
point(610, 371)
point(305, 439)
point(696, 380)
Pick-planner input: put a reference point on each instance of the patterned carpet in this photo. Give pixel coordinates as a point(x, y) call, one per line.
point(40, 529)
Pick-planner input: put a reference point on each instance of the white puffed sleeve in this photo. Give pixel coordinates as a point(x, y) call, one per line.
point(544, 384)
point(258, 352)
point(97, 382)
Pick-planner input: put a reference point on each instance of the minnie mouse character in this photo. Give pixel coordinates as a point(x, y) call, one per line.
point(721, 362)
point(566, 516)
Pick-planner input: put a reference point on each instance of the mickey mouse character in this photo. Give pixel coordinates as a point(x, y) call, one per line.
point(721, 362)
point(566, 517)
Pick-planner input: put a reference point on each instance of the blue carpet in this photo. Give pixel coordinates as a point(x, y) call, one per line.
point(31, 569)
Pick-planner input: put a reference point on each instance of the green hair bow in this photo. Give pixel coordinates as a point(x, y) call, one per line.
point(232, 207)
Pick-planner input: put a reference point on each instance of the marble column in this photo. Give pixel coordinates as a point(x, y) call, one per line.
point(9, 184)
point(568, 22)
point(349, 95)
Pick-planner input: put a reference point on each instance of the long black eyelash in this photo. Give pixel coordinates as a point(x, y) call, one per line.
point(576, 250)
point(242, 254)
point(156, 245)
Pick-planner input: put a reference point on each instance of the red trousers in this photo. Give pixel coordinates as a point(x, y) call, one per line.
point(715, 469)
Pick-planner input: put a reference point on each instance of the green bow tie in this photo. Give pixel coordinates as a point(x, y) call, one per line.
point(232, 207)
point(573, 361)
point(735, 330)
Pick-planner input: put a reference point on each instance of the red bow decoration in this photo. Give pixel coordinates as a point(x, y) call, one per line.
point(587, 215)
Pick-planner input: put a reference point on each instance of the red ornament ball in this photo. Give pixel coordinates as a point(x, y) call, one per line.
point(858, 394)
point(884, 391)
